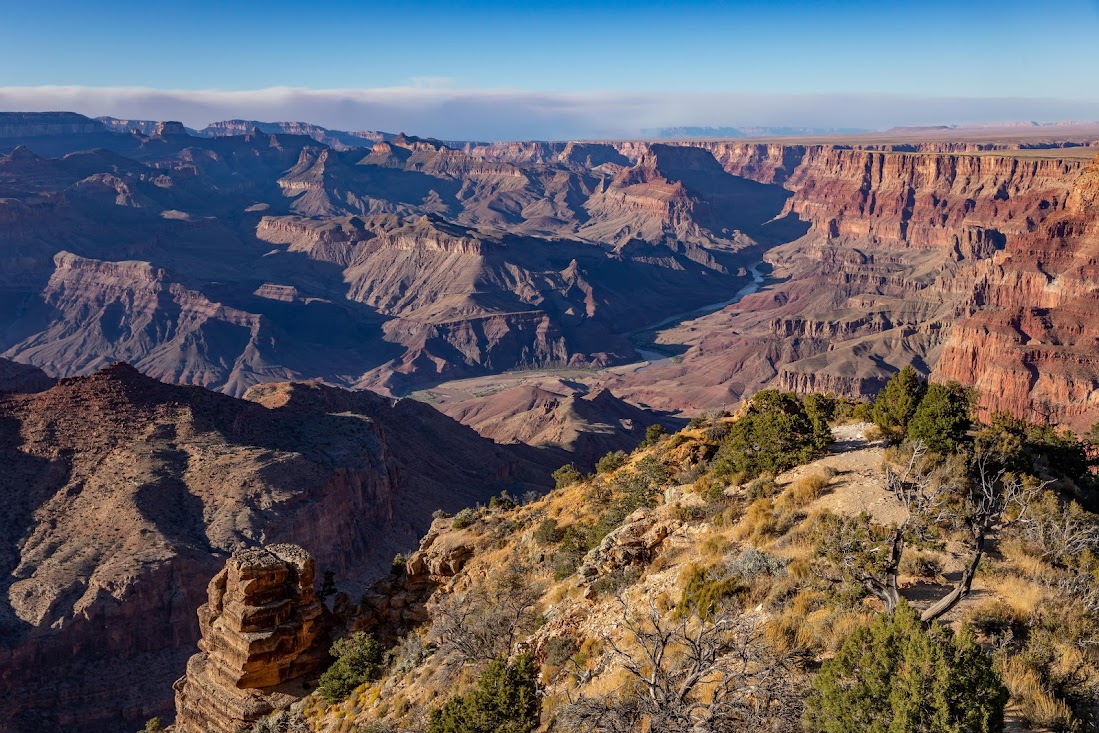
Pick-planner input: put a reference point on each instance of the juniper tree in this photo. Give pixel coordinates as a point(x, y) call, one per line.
point(941, 420)
point(507, 699)
point(896, 404)
point(899, 675)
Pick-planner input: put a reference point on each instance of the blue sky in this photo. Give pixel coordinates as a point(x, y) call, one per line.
point(703, 63)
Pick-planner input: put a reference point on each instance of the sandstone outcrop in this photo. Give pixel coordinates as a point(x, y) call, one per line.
point(263, 636)
point(943, 260)
point(1031, 349)
point(633, 544)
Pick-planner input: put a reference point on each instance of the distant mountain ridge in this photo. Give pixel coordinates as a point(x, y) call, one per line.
point(678, 133)
point(338, 139)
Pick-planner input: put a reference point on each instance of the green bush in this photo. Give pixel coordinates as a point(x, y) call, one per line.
point(896, 404)
point(359, 659)
point(567, 475)
point(899, 676)
point(612, 461)
point(1023, 447)
point(616, 581)
point(653, 434)
point(548, 533)
point(706, 591)
point(503, 502)
point(575, 543)
point(399, 565)
point(763, 487)
point(463, 519)
point(559, 650)
point(821, 410)
point(505, 700)
point(774, 434)
point(753, 563)
point(941, 421)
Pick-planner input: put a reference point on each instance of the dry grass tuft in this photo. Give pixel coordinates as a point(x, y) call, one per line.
point(716, 545)
point(1021, 594)
point(808, 626)
point(759, 522)
point(1036, 702)
point(804, 491)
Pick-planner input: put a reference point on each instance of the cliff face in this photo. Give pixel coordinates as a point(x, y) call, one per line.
point(926, 199)
point(983, 259)
point(134, 312)
point(124, 495)
point(275, 254)
point(45, 124)
point(337, 139)
point(262, 630)
point(1031, 350)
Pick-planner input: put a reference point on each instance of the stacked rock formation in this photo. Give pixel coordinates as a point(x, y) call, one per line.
point(262, 636)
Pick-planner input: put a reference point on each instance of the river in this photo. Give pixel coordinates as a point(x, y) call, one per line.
point(655, 357)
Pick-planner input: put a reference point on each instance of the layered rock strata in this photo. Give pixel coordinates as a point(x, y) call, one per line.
point(263, 635)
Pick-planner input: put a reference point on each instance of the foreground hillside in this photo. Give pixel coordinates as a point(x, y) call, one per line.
point(123, 495)
point(673, 589)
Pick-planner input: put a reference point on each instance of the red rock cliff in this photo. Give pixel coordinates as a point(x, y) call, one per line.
point(1033, 350)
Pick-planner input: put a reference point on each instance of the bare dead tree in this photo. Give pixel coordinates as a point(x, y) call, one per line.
point(923, 494)
point(692, 676)
point(1062, 534)
point(984, 503)
point(282, 721)
point(998, 500)
point(486, 621)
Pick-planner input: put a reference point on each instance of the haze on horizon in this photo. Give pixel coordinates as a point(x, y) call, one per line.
point(484, 69)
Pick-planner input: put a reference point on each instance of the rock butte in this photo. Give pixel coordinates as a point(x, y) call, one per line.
point(263, 632)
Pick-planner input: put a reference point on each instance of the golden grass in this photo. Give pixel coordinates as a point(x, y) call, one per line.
point(759, 522)
point(1020, 594)
point(1036, 702)
point(1022, 557)
point(803, 492)
point(607, 683)
point(716, 545)
point(807, 625)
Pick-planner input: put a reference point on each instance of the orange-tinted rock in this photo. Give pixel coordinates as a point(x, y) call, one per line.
point(1033, 350)
point(262, 629)
point(985, 260)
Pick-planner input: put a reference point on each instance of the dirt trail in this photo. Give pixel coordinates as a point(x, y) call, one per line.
point(859, 486)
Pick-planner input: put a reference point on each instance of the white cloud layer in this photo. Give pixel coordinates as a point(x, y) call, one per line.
point(432, 108)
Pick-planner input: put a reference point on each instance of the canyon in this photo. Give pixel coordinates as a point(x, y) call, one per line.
point(273, 333)
point(236, 256)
